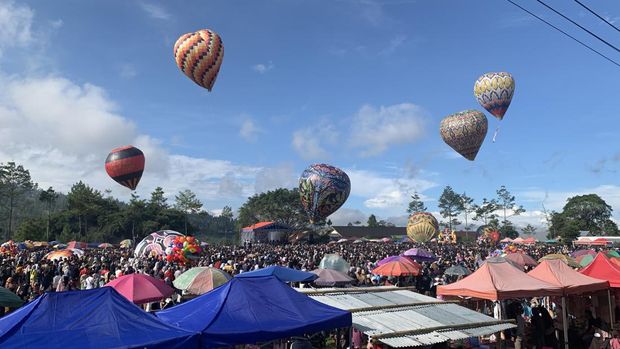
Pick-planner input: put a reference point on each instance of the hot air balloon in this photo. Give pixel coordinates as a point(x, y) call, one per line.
point(125, 165)
point(323, 189)
point(494, 92)
point(464, 132)
point(156, 243)
point(422, 226)
point(199, 55)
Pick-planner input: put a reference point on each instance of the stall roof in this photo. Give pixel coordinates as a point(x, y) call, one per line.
point(401, 318)
point(558, 273)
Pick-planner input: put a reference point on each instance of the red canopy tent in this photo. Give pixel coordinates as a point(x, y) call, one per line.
point(572, 282)
point(529, 241)
point(557, 273)
point(499, 281)
point(602, 268)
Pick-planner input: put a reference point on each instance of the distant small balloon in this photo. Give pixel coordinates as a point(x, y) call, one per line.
point(464, 132)
point(125, 165)
point(494, 92)
point(323, 189)
point(199, 55)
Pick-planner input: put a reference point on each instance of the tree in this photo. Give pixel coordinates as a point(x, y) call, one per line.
point(416, 205)
point(86, 203)
point(188, 203)
point(506, 202)
point(372, 221)
point(589, 212)
point(227, 212)
point(450, 206)
point(485, 211)
point(158, 200)
point(48, 196)
point(508, 230)
point(15, 181)
point(529, 230)
point(468, 207)
point(279, 205)
point(567, 229)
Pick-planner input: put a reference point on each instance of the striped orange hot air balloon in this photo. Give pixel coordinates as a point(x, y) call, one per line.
point(125, 165)
point(199, 55)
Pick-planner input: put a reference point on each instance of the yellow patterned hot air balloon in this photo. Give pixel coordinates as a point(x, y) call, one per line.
point(422, 227)
point(464, 132)
point(199, 55)
point(494, 92)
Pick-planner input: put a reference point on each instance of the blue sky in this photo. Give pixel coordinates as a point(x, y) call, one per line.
point(361, 85)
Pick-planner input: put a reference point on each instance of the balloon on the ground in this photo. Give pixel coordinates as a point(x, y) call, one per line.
point(422, 226)
point(494, 92)
point(464, 132)
point(182, 249)
point(125, 165)
point(199, 55)
point(155, 244)
point(323, 190)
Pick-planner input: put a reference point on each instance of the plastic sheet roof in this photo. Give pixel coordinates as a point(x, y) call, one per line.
point(401, 318)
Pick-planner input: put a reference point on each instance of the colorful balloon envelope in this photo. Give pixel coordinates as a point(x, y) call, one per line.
point(323, 190)
point(156, 243)
point(494, 92)
point(422, 226)
point(125, 165)
point(199, 55)
point(464, 132)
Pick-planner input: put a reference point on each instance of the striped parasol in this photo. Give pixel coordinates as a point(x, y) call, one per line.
point(201, 280)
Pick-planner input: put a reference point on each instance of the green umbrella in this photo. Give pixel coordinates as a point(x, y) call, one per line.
point(201, 280)
point(613, 253)
point(457, 270)
point(585, 259)
point(9, 299)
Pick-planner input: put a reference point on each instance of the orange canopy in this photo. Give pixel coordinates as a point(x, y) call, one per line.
point(397, 268)
point(602, 268)
point(499, 281)
point(557, 273)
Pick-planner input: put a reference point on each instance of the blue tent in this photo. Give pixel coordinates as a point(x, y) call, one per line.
point(253, 310)
point(94, 319)
point(282, 273)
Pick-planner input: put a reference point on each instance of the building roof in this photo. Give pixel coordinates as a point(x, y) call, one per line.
point(349, 232)
point(399, 317)
point(264, 226)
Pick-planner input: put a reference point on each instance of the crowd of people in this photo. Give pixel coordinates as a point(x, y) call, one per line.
point(28, 273)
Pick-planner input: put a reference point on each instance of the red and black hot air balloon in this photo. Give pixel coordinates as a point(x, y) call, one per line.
point(125, 165)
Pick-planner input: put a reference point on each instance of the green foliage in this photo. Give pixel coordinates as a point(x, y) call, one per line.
point(508, 230)
point(486, 211)
point(15, 183)
point(468, 207)
point(506, 202)
point(372, 221)
point(416, 205)
point(280, 205)
point(583, 212)
point(450, 206)
point(187, 202)
point(528, 230)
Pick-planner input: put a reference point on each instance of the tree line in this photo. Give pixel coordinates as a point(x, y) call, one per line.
point(84, 213)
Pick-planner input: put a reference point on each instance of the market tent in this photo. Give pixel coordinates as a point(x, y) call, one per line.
point(602, 268)
point(564, 258)
point(499, 281)
point(521, 259)
point(253, 310)
point(572, 282)
point(330, 277)
point(282, 273)
point(94, 319)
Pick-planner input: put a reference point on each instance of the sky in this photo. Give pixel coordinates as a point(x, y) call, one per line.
point(358, 84)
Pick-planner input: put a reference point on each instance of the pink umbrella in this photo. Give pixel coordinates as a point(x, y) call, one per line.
point(140, 288)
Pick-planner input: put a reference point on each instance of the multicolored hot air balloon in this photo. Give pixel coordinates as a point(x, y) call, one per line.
point(199, 55)
point(494, 92)
point(125, 165)
point(465, 132)
point(422, 226)
point(156, 243)
point(323, 190)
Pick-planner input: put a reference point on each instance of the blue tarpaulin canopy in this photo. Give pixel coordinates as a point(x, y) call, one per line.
point(282, 273)
point(253, 310)
point(94, 319)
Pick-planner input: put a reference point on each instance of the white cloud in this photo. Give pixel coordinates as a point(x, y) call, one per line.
point(394, 44)
point(263, 68)
point(56, 24)
point(310, 142)
point(345, 216)
point(128, 71)
point(249, 130)
point(155, 11)
point(374, 130)
point(15, 25)
point(280, 176)
point(390, 193)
